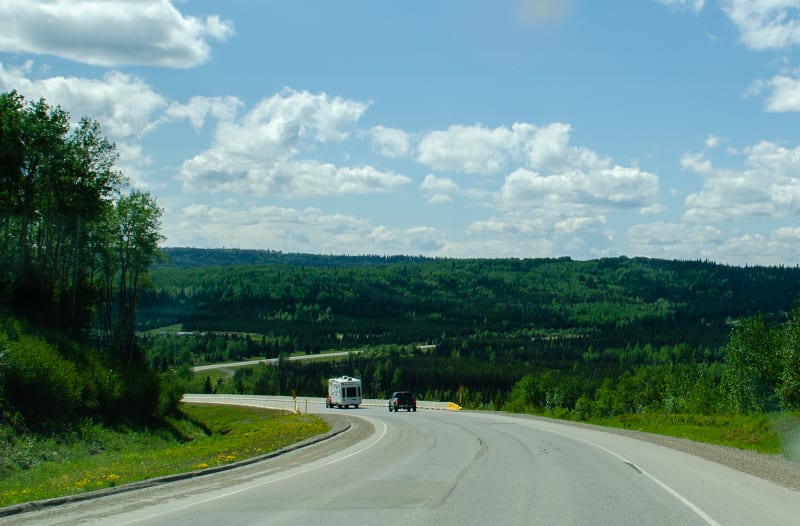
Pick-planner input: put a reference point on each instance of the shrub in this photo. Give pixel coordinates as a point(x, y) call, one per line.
point(39, 383)
point(171, 393)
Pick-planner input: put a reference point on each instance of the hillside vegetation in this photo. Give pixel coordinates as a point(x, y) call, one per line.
point(75, 247)
point(586, 339)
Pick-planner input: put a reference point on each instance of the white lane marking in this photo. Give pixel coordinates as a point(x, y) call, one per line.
point(686, 502)
point(260, 484)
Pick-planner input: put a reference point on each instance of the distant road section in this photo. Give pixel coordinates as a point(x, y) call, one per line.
point(271, 361)
point(304, 404)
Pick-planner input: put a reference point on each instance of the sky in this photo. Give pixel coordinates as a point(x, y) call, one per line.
point(451, 128)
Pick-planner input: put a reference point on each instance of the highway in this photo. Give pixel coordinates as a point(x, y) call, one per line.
point(439, 467)
point(271, 361)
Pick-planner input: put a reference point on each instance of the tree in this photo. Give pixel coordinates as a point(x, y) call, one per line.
point(90, 184)
point(11, 161)
point(789, 389)
point(752, 367)
point(67, 235)
point(32, 196)
point(137, 237)
point(55, 189)
point(526, 395)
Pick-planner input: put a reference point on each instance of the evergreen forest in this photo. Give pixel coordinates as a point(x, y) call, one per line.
point(584, 339)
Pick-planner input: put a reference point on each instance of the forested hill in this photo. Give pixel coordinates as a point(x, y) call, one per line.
point(182, 257)
point(319, 301)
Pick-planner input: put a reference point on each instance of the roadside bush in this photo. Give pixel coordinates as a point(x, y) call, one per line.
point(170, 394)
point(140, 391)
point(39, 383)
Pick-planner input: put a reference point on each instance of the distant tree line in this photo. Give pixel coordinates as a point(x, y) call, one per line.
point(608, 303)
point(584, 338)
point(757, 371)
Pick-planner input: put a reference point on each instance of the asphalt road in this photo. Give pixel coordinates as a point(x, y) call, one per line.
point(271, 361)
point(438, 467)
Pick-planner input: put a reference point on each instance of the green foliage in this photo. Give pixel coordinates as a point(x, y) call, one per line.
point(75, 250)
point(693, 389)
point(763, 365)
point(321, 302)
point(261, 379)
point(38, 382)
point(68, 231)
point(789, 383)
point(758, 432)
point(590, 338)
point(49, 387)
point(526, 396)
point(751, 371)
point(91, 457)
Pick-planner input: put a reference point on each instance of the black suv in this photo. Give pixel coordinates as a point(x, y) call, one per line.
point(402, 400)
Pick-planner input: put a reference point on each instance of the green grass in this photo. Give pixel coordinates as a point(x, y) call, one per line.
point(94, 457)
point(772, 433)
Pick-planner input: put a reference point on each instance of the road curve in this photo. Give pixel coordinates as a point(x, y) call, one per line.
point(272, 361)
point(453, 468)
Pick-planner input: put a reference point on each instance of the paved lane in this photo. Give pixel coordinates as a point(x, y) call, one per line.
point(447, 468)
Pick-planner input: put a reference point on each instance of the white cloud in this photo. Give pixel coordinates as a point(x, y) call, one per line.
point(575, 224)
point(437, 190)
point(765, 24)
point(785, 93)
point(497, 225)
point(440, 199)
point(696, 162)
point(610, 186)
point(257, 153)
point(134, 163)
point(484, 151)
point(556, 191)
point(438, 184)
point(548, 146)
point(294, 230)
point(543, 235)
point(767, 187)
point(712, 141)
point(308, 178)
point(694, 5)
point(681, 241)
point(470, 149)
point(110, 33)
point(788, 234)
point(410, 241)
point(652, 210)
point(125, 106)
point(674, 240)
point(197, 109)
point(390, 142)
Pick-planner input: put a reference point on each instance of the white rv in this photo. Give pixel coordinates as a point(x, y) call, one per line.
point(344, 392)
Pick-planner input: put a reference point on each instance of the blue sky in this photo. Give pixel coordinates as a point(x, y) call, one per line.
point(454, 128)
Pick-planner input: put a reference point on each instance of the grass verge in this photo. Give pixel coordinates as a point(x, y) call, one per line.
point(95, 457)
point(774, 434)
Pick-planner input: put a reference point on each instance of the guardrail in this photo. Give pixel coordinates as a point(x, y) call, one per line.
point(305, 403)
